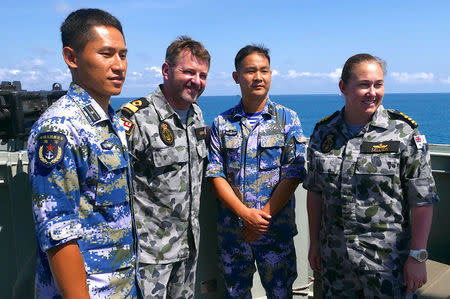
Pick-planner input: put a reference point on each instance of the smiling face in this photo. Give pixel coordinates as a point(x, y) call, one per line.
point(100, 68)
point(363, 92)
point(185, 81)
point(254, 77)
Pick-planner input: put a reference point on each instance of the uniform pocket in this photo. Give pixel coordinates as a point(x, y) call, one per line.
point(169, 155)
point(112, 186)
point(377, 165)
point(232, 145)
point(271, 149)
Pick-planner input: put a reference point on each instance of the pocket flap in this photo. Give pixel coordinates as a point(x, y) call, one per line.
point(112, 160)
point(275, 140)
point(168, 156)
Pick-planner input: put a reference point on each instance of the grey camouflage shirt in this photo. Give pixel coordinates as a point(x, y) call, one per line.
point(167, 159)
point(368, 184)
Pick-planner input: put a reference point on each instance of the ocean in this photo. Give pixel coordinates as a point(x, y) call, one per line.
point(430, 110)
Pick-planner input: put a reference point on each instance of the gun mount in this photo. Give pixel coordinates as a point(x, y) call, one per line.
point(19, 109)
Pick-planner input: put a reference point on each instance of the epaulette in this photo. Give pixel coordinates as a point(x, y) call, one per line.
point(132, 107)
point(399, 115)
point(327, 119)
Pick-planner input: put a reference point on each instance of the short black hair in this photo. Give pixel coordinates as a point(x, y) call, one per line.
point(247, 50)
point(353, 61)
point(76, 29)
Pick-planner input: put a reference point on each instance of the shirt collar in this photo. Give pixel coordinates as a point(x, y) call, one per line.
point(92, 110)
point(268, 110)
point(162, 106)
point(379, 119)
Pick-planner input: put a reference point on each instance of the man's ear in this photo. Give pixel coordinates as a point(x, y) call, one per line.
point(70, 57)
point(236, 77)
point(342, 87)
point(165, 70)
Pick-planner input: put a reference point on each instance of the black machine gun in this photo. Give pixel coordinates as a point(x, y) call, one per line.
point(19, 109)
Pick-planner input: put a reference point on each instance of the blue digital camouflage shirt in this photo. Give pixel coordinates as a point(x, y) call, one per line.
point(255, 160)
point(80, 180)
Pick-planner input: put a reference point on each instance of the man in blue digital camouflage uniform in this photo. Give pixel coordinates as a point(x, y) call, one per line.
point(256, 161)
point(80, 174)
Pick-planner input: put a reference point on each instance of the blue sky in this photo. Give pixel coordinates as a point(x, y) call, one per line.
point(309, 40)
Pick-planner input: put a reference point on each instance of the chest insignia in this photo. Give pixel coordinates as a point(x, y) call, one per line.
point(107, 145)
point(200, 133)
point(50, 148)
point(380, 147)
point(127, 125)
point(328, 143)
point(230, 132)
point(166, 133)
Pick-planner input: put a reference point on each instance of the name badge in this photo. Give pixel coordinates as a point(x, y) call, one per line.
point(380, 147)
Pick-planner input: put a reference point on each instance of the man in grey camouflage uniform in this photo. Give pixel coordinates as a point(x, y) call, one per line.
point(362, 185)
point(167, 140)
point(80, 173)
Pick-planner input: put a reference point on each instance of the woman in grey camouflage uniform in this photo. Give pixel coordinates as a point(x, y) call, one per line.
point(370, 192)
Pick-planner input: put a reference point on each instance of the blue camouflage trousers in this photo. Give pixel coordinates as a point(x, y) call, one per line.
point(276, 262)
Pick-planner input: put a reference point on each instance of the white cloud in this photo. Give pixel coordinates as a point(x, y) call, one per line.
point(275, 73)
point(412, 77)
point(156, 70)
point(447, 80)
point(335, 75)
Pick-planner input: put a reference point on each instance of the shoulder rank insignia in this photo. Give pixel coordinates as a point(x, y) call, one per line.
point(380, 147)
point(91, 113)
point(327, 119)
point(132, 107)
point(404, 117)
point(166, 133)
point(50, 148)
point(328, 143)
point(128, 125)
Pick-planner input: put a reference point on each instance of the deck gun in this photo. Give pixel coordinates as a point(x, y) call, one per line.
point(19, 109)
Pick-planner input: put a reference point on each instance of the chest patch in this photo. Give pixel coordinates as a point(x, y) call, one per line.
point(166, 133)
point(328, 143)
point(200, 133)
point(50, 148)
point(380, 147)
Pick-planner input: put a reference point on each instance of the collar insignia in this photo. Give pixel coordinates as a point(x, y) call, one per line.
point(328, 143)
point(166, 133)
point(91, 113)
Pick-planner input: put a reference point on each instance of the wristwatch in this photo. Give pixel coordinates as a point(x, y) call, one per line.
point(420, 255)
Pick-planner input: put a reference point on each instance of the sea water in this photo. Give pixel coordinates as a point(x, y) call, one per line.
point(430, 110)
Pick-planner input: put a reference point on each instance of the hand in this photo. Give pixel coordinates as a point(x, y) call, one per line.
point(415, 274)
point(250, 235)
point(256, 220)
point(314, 257)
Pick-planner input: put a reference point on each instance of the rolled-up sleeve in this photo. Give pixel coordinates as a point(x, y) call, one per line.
point(293, 156)
point(55, 191)
point(417, 179)
point(215, 165)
